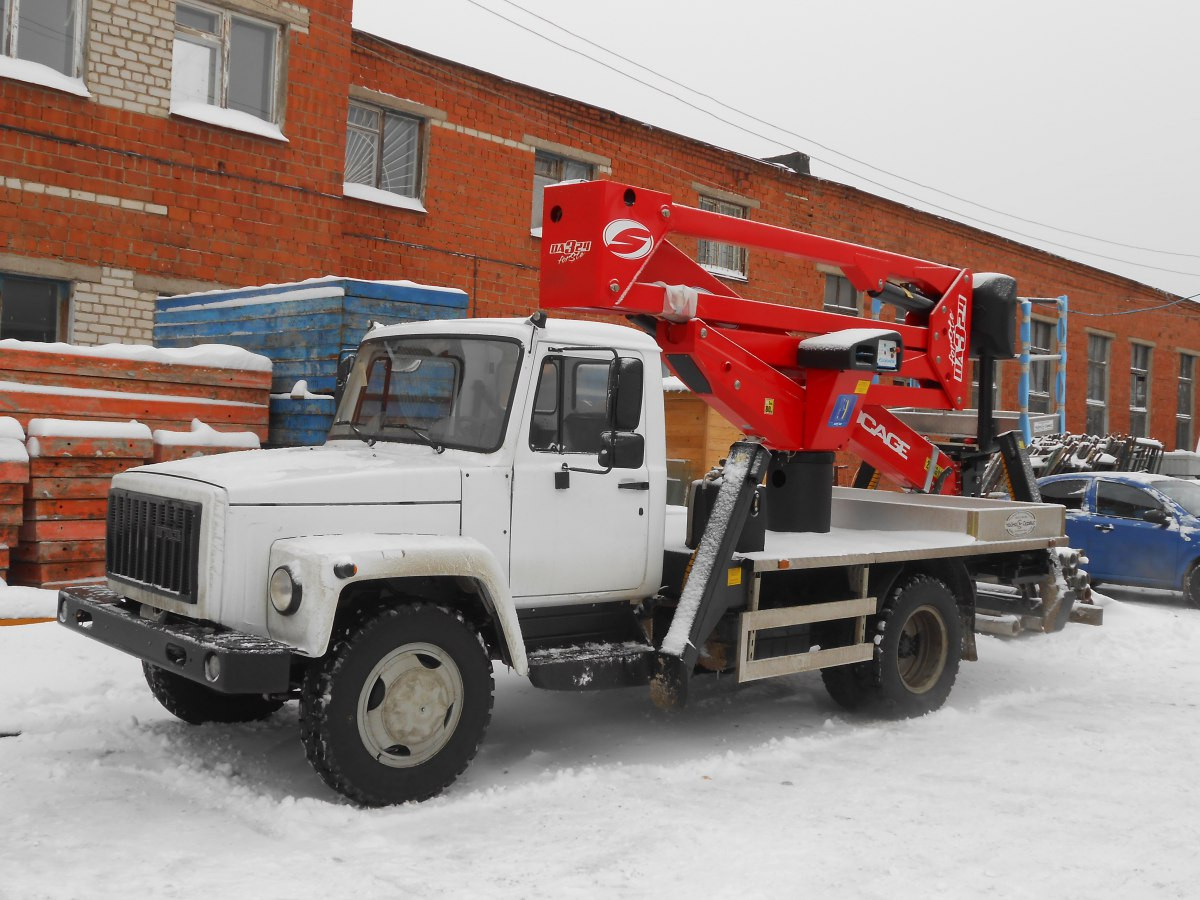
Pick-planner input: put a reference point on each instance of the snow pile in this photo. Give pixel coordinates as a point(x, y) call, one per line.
point(215, 356)
point(11, 428)
point(1060, 767)
point(202, 435)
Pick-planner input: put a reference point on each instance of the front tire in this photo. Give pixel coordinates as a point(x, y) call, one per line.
point(916, 654)
point(196, 704)
point(399, 705)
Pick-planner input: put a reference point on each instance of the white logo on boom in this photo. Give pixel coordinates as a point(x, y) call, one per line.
point(893, 443)
point(957, 335)
point(628, 239)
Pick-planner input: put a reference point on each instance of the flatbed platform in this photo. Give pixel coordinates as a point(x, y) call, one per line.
point(870, 527)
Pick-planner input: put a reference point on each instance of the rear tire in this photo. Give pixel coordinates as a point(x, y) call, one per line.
point(916, 654)
point(399, 705)
point(196, 704)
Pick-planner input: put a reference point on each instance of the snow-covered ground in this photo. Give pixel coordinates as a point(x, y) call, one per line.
point(1063, 766)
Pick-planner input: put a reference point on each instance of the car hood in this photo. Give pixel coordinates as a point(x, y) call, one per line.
point(337, 473)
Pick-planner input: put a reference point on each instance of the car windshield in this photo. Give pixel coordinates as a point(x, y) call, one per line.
point(428, 389)
point(1185, 493)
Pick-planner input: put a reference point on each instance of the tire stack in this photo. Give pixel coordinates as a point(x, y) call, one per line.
point(66, 499)
point(14, 474)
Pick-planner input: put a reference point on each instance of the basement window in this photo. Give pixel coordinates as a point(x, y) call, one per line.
point(32, 309)
point(225, 69)
point(41, 41)
point(383, 156)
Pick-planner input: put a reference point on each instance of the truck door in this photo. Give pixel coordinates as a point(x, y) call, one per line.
point(575, 532)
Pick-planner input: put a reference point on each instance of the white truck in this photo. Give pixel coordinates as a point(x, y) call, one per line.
point(494, 491)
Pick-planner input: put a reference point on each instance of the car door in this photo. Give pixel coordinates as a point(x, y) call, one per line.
point(576, 530)
point(1072, 493)
point(1125, 547)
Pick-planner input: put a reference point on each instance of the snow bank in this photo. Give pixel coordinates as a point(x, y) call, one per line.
point(215, 356)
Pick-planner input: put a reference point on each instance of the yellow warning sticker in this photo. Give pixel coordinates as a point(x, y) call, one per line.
point(862, 387)
point(769, 406)
point(733, 577)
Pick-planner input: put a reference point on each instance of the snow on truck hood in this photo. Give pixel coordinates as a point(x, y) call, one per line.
point(338, 473)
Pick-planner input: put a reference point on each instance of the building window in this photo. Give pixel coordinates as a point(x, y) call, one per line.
point(48, 32)
point(32, 309)
point(1139, 389)
point(722, 259)
point(225, 60)
point(840, 295)
point(550, 168)
point(1099, 351)
point(1185, 403)
point(1041, 371)
point(383, 150)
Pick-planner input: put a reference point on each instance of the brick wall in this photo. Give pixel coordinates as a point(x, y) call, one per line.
point(131, 201)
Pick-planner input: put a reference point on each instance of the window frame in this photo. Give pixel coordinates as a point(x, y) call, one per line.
point(540, 154)
point(839, 283)
point(714, 249)
point(374, 192)
point(10, 40)
point(223, 40)
point(1096, 407)
point(1185, 421)
point(62, 302)
point(1139, 416)
point(566, 368)
point(1042, 372)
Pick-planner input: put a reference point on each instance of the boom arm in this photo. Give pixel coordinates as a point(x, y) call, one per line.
point(800, 379)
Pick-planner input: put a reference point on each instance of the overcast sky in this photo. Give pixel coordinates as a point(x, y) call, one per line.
point(1064, 124)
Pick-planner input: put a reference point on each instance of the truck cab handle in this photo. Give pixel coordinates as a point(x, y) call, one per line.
point(634, 486)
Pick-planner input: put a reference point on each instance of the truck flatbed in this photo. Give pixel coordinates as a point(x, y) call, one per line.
point(870, 527)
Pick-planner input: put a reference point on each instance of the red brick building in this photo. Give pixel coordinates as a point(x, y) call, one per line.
point(151, 147)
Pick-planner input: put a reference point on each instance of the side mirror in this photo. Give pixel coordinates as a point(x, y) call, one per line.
point(345, 363)
point(621, 450)
point(1156, 516)
point(625, 393)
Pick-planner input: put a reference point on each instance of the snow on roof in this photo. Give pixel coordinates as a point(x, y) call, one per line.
point(285, 287)
point(844, 339)
point(202, 435)
point(215, 356)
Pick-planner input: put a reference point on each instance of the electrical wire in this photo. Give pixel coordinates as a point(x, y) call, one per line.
point(919, 200)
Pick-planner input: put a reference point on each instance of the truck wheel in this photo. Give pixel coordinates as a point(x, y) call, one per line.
point(398, 706)
point(916, 654)
point(1191, 586)
point(196, 704)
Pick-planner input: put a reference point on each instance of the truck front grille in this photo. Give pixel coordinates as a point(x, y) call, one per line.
point(154, 543)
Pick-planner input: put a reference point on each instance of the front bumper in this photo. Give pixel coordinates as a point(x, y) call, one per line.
point(228, 661)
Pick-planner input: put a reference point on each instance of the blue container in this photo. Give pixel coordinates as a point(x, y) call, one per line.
point(302, 327)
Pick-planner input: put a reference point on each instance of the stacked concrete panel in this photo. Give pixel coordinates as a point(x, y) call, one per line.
point(70, 466)
point(201, 440)
point(14, 474)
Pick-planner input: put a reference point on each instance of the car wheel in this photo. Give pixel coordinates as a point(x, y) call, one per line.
point(1191, 586)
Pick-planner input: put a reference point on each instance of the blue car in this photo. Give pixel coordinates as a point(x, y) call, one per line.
point(1134, 528)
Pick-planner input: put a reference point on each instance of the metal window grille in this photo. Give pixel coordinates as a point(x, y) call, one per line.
point(718, 258)
point(383, 150)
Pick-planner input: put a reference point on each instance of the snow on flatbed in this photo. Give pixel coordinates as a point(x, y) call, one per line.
point(1061, 766)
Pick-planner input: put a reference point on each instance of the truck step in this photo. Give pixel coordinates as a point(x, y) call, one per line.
point(592, 667)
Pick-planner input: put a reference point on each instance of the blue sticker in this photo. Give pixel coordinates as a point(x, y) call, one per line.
point(842, 410)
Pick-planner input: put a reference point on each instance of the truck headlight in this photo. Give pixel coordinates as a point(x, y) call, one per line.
point(285, 591)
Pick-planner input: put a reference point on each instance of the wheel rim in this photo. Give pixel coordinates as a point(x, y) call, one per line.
point(409, 705)
point(923, 649)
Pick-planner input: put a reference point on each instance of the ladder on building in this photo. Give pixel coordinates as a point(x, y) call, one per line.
point(1027, 358)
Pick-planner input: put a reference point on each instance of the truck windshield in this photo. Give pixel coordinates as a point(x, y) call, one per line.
point(425, 389)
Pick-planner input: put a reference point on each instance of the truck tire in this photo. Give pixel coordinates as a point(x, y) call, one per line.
point(399, 705)
point(196, 704)
point(916, 654)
